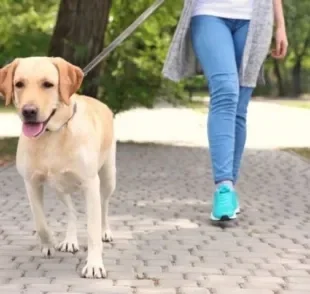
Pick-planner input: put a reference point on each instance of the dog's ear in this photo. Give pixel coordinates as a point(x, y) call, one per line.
point(70, 78)
point(6, 80)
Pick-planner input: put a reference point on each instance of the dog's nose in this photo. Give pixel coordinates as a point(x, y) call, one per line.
point(30, 113)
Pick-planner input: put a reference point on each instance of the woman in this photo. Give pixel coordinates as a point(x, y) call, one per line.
point(230, 40)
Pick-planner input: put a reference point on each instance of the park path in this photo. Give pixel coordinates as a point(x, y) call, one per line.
point(270, 126)
point(163, 241)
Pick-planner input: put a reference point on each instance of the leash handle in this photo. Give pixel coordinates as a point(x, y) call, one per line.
point(125, 34)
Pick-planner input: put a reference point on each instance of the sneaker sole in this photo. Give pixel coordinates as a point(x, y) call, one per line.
point(223, 218)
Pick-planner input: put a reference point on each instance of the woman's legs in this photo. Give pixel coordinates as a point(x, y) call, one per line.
point(218, 44)
point(245, 93)
point(241, 128)
point(214, 47)
point(213, 44)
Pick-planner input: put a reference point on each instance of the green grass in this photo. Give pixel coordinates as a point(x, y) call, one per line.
point(198, 106)
point(8, 148)
point(201, 94)
point(4, 109)
point(304, 152)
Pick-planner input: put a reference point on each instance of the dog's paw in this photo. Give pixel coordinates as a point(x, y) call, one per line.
point(107, 236)
point(48, 251)
point(68, 245)
point(94, 271)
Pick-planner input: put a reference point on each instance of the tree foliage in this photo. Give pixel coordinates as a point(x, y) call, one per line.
point(25, 27)
point(132, 75)
point(298, 28)
point(291, 77)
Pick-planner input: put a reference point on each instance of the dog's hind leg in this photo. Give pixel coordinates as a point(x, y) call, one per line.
point(35, 194)
point(107, 176)
point(70, 243)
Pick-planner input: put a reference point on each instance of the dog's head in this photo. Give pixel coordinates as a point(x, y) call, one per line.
point(39, 86)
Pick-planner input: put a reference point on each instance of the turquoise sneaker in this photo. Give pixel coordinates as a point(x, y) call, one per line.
point(236, 202)
point(224, 204)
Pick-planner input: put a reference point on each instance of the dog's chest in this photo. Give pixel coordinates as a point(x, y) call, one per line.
point(63, 171)
point(64, 181)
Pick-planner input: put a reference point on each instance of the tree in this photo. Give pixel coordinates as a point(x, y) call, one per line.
point(298, 29)
point(79, 36)
point(279, 75)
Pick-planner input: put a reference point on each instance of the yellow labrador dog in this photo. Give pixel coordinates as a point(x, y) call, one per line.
point(68, 142)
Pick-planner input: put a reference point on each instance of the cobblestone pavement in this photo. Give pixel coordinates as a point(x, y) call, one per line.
point(163, 240)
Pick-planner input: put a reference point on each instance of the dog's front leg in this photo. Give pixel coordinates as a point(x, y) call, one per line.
point(70, 243)
point(94, 267)
point(35, 194)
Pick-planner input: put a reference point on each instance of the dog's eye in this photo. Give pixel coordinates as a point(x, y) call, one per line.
point(19, 84)
point(48, 85)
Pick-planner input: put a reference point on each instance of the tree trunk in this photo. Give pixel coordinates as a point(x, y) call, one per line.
point(277, 72)
point(79, 36)
point(296, 73)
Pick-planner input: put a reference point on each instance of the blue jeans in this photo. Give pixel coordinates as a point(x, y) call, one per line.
point(218, 44)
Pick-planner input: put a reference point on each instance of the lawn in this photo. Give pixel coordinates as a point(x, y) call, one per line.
point(8, 148)
point(3, 108)
point(304, 152)
point(202, 107)
point(198, 106)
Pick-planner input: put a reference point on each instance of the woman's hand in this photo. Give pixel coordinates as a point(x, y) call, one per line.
point(280, 50)
point(280, 35)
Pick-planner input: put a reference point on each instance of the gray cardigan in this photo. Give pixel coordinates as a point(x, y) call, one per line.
point(181, 61)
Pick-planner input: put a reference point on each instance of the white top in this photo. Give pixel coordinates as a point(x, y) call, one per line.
point(235, 9)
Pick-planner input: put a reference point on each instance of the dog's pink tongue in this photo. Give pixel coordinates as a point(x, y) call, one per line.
point(32, 129)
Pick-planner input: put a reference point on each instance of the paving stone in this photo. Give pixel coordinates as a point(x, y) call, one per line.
point(7, 288)
point(177, 283)
point(299, 287)
point(65, 293)
point(293, 292)
point(33, 280)
point(242, 291)
point(265, 280)
point(266, 286)
point(47, 287)
point(156, 291)
point(192, 290)
point(136, 283)
point(99, 286)
point(115, 290)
